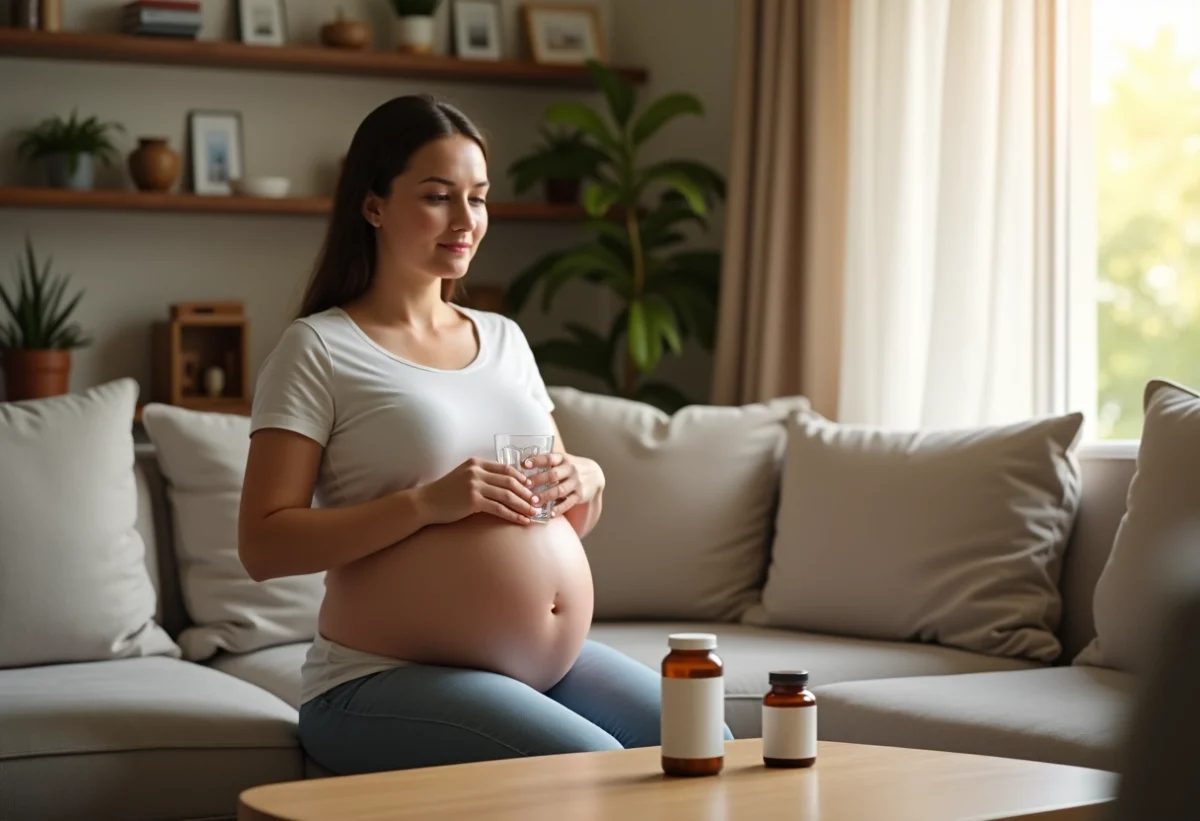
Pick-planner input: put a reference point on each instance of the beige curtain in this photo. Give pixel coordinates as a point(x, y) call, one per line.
point(779, 328)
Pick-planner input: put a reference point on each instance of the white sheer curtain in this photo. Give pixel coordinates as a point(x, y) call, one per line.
point(939, 274)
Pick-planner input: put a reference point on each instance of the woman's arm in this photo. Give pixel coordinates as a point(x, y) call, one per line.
point(280, 534)
point(584, 513)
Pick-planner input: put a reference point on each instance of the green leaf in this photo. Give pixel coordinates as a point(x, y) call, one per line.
point(598, 198)
point(639, 338)
point(666, 397)
point(578, 355)
point(699, 177)
point(700, 264)
point(594, 261)
point(578, 115)
point(610, 230)
point(662, 323)
point(618, 93)
point(692, 193)
point(662, 111)
point(672, 211)
point(525, 283)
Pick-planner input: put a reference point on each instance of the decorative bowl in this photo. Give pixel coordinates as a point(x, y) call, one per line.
point(262, 186)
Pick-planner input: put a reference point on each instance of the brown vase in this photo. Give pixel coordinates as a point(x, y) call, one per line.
point(563, 192)
point(35, 374)
point(153, 165)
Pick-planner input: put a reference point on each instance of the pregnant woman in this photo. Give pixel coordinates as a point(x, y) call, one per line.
point(453, 627)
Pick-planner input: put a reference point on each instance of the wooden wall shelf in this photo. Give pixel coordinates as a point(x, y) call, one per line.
point(121, 200)
point(123, 48)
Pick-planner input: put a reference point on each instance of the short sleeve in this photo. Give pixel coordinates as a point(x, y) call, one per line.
point(294, 390)
point(530, 376)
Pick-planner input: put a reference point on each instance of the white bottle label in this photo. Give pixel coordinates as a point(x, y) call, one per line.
point(789, 732)
point(693, 717)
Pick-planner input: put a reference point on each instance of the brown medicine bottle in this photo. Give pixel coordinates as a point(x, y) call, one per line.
point(693, 706)
point(789, 721)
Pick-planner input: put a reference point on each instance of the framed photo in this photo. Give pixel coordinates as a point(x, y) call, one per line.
point(477, 29)
point(262, 22)
point(563, 34)
point(215, 138)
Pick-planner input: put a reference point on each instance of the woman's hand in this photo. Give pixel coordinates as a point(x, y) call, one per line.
point(479, 486)
point(569, 480)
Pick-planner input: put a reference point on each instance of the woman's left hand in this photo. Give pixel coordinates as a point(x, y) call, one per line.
point(570, 480)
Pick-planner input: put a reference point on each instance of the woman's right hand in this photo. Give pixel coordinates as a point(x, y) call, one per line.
point(479, 486)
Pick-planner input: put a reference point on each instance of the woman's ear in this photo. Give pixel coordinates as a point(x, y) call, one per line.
point(372, 209)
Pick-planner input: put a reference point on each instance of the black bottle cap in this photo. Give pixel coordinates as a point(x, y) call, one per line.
point(789, 677)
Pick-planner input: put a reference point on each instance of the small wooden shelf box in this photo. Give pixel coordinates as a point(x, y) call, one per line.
point(201, 336)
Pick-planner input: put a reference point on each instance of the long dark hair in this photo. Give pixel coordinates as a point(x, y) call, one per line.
point(381, 149)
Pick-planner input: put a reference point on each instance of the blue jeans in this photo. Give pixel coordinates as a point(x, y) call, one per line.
point(426, 715)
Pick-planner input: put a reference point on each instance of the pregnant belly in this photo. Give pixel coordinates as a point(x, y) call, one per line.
point(479, 593)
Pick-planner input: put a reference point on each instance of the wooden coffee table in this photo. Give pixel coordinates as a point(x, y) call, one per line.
point(850, 782)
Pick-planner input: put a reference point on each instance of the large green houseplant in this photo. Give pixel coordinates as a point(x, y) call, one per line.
point(666, 293)
point(37, 337)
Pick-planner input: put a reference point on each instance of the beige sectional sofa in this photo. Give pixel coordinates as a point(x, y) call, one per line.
point(161, 737)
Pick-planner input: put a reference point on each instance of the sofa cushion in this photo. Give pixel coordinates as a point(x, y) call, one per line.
point(149, 738)
point(947, 536)
point(203, 459)
point(274, 669)
point(74, 585)
point(1162, 518)
point(1061, 715)
point(750, 653)
point(687, 502)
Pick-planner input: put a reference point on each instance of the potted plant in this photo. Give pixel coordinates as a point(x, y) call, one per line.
point(561, 163)
point(37, 338)
point(414, 30)
point(68, 147)
point(666, 293)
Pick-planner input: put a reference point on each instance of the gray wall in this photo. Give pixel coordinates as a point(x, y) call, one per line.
point(134, 265)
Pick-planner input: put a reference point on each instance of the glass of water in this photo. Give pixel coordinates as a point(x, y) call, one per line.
point(513, 449)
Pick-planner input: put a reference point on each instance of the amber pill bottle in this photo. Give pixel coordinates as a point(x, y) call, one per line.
point(693, 706)
point(789, 721)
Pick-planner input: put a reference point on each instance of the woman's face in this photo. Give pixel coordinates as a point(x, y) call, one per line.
point(436, 214)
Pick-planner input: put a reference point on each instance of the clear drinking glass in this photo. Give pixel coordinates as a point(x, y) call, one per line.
point(514, 448)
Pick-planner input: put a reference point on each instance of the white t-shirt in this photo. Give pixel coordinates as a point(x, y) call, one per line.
point(389, 424)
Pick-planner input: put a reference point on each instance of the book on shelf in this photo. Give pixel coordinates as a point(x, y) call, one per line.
point(161, 18)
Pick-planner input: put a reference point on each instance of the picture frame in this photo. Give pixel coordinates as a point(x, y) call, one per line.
point(216, 151)
point(563, 34)
point(262, 22)
point(476, 25)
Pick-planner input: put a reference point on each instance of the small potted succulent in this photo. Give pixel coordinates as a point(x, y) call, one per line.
point(69, 148)
point(37, 338)
point(561, 163)
point(414, 30)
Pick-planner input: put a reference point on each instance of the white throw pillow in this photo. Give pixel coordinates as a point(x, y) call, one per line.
point(203, 460)
point(953, 536)
point(1162, 518)
point(687, 504)
point(73, 580)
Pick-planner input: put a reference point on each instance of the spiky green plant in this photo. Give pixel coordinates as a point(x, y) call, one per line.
point(38, 318)
point(72, 137)
point(666, 293)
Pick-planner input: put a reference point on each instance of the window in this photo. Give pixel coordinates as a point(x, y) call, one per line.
point(1144, 66)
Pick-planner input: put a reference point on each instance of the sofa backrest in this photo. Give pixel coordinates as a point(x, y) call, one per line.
point(1107, 470)
point(157, 531)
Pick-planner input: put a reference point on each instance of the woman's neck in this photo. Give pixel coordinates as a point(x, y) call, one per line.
point(403, 299)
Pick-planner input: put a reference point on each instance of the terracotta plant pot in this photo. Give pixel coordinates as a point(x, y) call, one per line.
point(563, 192)
point(35, 374)
point(153, 165)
